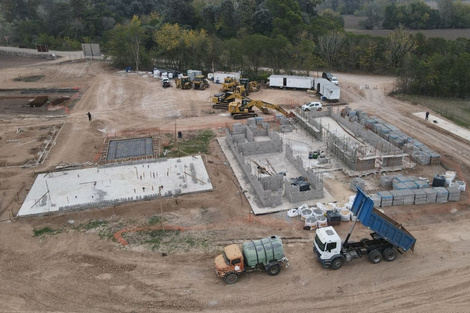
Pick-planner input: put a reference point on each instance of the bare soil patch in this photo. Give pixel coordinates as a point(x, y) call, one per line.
point(76, 264)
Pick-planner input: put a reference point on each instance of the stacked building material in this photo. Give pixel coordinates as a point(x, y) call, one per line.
point(386, 198)
point(422, 184)
point(431, 195)
point(400, 186)
point(454, 193)
point(420, 196)
point(409, 197)
point(357, 182)
point(398, 197)
point(420, 153)
point(376, 199)
point(442, 194)
point(386, 181)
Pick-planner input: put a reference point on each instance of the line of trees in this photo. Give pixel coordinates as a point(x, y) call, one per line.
point(241, 35)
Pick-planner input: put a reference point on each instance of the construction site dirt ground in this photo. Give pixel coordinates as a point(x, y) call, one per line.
point(75, 263)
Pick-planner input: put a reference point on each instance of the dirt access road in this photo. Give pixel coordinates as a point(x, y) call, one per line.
point(79, 268)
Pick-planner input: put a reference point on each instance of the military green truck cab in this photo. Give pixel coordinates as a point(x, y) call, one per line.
point(264, 254)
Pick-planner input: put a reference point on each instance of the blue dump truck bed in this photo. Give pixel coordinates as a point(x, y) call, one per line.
point(393, 232)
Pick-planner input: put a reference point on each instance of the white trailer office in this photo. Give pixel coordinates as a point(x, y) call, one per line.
point(220, 76)
point(327, 89)
point(295, 82)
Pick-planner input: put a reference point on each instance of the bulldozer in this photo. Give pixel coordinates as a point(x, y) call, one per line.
point(229, 84)
point(243, 108)
point(221, 100)
point(184, 82)
point(200, 82)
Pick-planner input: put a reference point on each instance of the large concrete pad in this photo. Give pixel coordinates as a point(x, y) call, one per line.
point(445, 125)
point(103, 186)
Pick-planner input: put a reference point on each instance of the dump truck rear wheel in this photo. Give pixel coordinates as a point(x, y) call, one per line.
point(231, 278)
point(274, 269)
point(337, 263)
point(375, 256)
point(389, 255)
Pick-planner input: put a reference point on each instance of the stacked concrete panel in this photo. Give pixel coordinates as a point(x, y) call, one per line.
point(420, 196)
point(398, 197)
point(387, 198)
point(422, 184)
point(386, 181)
point(357, 182)
point(421, 153)
point(376, 199)
point(409, 197)
point(431, 195)
point(454, 193)
point(442, 194)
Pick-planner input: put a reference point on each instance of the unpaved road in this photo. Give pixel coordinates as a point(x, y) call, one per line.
point(84, 270)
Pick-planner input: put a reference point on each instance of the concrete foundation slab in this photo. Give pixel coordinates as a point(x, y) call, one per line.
point(107, 185)
point(130, 148)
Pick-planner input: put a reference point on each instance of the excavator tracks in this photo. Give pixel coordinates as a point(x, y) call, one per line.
point(220, 106)
point(240, 116)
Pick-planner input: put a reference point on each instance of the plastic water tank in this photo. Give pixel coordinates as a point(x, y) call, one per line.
point(439, 181)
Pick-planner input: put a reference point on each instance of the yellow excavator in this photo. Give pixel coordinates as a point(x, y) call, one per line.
point(184, 82)
point(221, 100)
point(229, 84)
point(243, 108)
point(200, 82)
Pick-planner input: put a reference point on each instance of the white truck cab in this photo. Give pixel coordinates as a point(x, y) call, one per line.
point(334, 80)
point(327, 244)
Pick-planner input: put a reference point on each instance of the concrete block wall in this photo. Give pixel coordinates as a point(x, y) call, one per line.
point(239, 138)
point(312, 130)
point(249, 135)
point(363, 165)
point(315, 180)
point(293, 193)
point(272, 183)
point(369, 137)
point(392, 161)
point(238, 129)
point(269, 197)
point(344, 150)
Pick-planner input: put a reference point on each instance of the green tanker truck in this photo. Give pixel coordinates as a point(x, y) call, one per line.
point(256, 255)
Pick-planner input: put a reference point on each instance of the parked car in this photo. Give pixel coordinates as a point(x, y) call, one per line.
point(312, 106)
point(326, 75)
point(166, 82)
point(330, 77)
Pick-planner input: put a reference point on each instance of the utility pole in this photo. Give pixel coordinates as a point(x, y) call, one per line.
point(161, 206)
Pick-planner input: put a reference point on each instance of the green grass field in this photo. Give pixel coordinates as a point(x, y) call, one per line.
point(351, 24)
